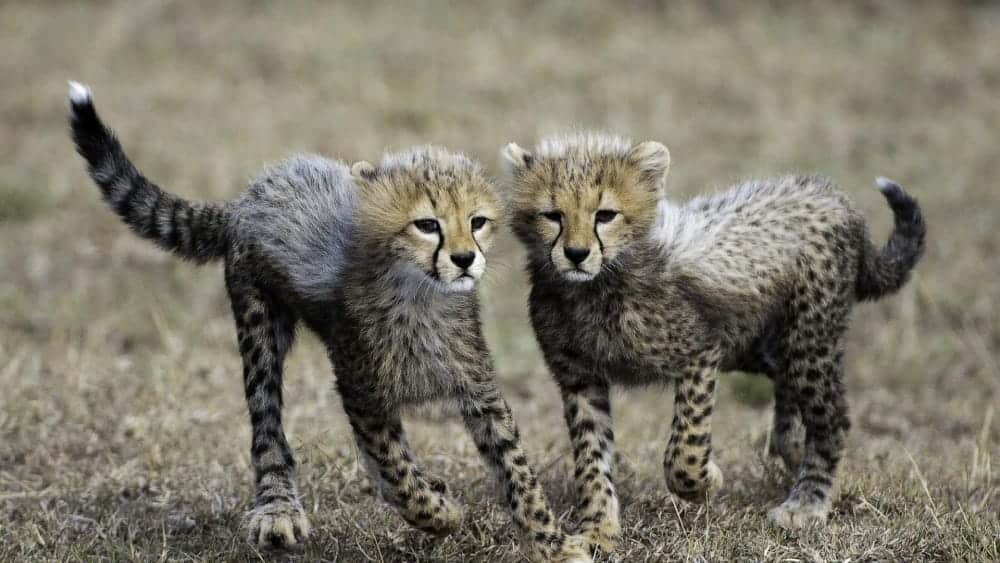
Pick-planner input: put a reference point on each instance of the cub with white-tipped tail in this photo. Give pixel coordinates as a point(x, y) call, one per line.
point(630, 288)
point(381, 262)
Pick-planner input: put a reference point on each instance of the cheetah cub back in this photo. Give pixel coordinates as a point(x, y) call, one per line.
point(381, 261)
point(631, 288)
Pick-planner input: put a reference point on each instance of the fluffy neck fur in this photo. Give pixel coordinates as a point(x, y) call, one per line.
point(387, 283)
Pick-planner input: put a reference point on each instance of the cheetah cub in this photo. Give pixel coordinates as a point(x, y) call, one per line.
point(630, 288)
point(381, 262)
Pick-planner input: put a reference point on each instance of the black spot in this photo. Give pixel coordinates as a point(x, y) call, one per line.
point(255, 318)
point(388, 476)
point(543, 516)
point(696, 439)
point(601, 404)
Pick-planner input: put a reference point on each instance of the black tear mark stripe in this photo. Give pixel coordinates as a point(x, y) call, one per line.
point(437, 251)
point(555, 241)
point(600, 243)
point(440, 233)
point(476, 242)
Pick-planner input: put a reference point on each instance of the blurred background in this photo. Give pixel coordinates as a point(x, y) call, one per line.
point(123, 432)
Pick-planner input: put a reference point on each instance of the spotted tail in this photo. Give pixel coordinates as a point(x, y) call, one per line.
point(194, 231)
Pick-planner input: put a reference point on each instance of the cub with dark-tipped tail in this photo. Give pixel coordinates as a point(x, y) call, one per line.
point(381, 262)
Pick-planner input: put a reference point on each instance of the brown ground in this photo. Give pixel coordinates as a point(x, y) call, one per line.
point(123, 433)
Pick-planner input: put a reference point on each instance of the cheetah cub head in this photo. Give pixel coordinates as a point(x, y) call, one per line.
point(431, 212)
point(580, 201)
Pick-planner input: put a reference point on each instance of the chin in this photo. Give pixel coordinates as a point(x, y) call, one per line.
point(460, 285)
point(578, 276)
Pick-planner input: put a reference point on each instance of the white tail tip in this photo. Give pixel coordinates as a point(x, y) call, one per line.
point(884, 184)
point(78, 93)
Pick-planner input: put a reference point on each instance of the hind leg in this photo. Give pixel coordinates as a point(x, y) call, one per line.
point(788, 433)
point(814, 374)
point(421, 500)
point(265, 330)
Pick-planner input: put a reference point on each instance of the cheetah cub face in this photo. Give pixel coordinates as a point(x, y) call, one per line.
point(433, 215)
point(579, 202)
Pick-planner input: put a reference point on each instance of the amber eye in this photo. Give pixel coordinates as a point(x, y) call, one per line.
point(605, 215)
point(478, 223)
point(427, 225)
point(555, 216)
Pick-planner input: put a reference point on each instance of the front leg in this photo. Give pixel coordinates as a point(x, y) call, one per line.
point(588, 415)
point(687, 463)
point(495, 433)
point(421, 500)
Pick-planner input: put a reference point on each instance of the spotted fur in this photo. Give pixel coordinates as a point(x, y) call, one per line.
point(381, 262)
point(630, 288)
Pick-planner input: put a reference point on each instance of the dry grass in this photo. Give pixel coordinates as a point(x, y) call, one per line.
point(123, 433)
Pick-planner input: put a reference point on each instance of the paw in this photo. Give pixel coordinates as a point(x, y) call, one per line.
point(278, 524)
point(439, 515)
point(794, 514)
point(558, 548)
point(695, 490)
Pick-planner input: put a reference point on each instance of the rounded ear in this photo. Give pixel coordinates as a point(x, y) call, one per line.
point(363, 171)
point(652, 160)
point(514, 159)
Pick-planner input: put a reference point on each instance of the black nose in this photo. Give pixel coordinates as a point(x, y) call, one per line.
point(576, 255)
point(463, 259)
